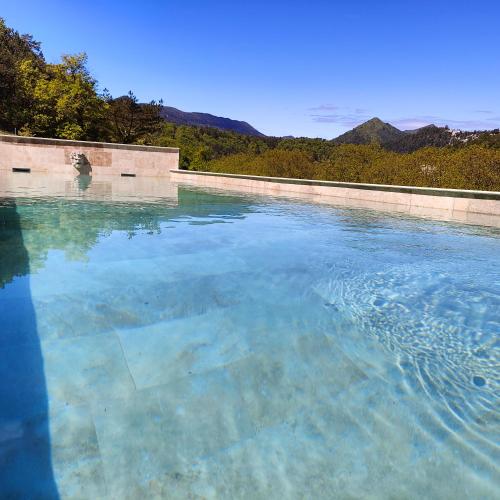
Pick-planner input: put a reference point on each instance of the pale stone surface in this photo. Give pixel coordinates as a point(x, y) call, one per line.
point(56, 156)
point(436, 202)
point(77, 463)
point(461, 204)
point(82, 370)
point(490, 207)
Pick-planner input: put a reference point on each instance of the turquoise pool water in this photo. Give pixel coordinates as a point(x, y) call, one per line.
point(205, 345)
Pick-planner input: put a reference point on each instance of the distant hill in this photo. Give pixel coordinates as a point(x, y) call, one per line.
point(406, 141)
point(427, 136)
point(374, 130)
point(174, 115)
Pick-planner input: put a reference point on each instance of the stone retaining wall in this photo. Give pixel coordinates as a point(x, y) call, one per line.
point(474, 207)
point(53, 156)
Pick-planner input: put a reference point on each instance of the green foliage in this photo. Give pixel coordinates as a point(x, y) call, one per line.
point(489, 139)
point(420, 138)
point(64, 99)
point(469, 167)
point(199, 145)
point(318, 149)
point(371, 132)
point(14, 49)
point(130, 122)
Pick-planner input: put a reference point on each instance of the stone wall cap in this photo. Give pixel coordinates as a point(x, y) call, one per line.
point(456, 193)
point(18, 139)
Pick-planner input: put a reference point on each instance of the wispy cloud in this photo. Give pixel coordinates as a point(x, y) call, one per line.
point(411, 123)
point(325, 107)
point(346, 116)
point(421, 121)
point(341, 115)
point(344, 120)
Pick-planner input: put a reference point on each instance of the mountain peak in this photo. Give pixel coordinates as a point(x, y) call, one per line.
point(375, 121)
point(373, 130)
point(393, 139)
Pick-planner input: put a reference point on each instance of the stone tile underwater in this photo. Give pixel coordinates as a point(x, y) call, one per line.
point(243, 347)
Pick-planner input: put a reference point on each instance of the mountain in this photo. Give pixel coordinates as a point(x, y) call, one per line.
point(424, 137)
point(174, 115)
point(374, 130)
point(406, 141)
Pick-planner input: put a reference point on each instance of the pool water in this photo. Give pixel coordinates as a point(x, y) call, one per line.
point(210, 345)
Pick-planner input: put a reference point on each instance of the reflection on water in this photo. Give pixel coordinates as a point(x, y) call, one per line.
point(196, 344)
point(83, 181)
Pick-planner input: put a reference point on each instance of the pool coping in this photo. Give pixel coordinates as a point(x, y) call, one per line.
point(455, 193)
point(459, 205)
point(44, 141)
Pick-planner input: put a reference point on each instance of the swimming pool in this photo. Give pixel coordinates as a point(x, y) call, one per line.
point(186, 343)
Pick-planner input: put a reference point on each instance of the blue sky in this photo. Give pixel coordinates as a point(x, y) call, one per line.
point(314, 68)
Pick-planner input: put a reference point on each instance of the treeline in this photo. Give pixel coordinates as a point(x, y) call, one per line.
point(471, 167)
point(63, 100)
point(199, 145)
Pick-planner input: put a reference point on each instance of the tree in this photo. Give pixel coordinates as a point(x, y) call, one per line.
point(14, 50)
point(65, 99)
point(130, 121)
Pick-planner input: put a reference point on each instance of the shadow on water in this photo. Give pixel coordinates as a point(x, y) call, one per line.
point(25, 451)
point(26, 469)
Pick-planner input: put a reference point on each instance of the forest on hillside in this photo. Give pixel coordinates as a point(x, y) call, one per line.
point(63, 100)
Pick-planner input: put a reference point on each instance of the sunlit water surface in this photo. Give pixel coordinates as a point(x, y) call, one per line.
point(206, 345)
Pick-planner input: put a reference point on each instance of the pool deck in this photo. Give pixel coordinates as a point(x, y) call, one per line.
point(465, 206)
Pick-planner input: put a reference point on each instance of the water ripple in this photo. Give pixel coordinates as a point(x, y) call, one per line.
point(442, 330)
